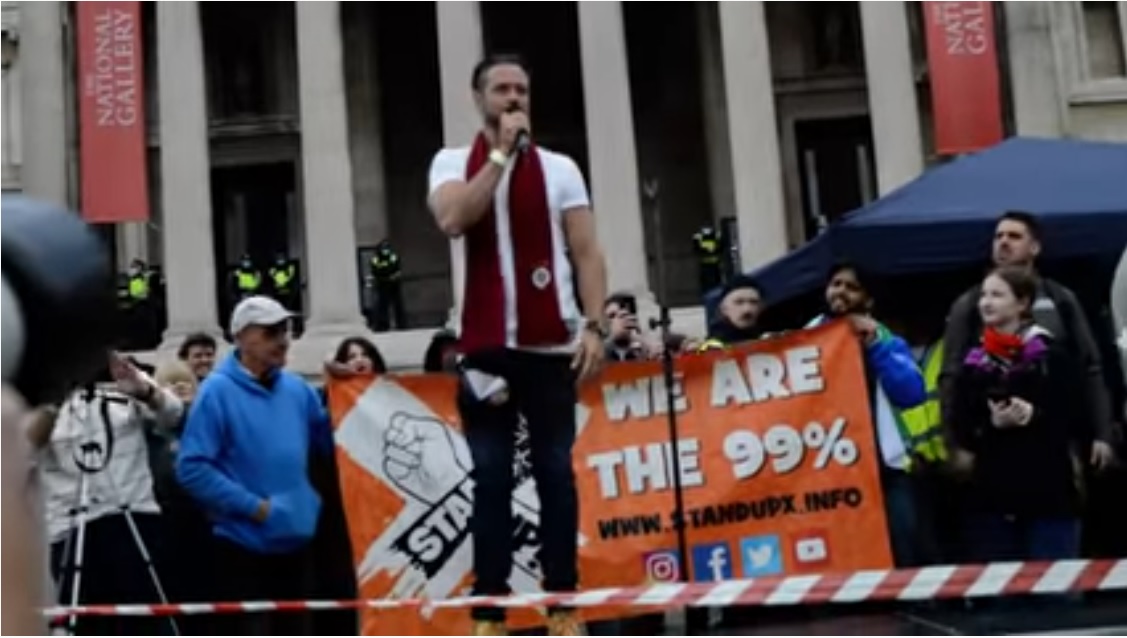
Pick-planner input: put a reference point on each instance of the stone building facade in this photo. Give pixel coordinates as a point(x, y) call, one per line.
point(308, 128)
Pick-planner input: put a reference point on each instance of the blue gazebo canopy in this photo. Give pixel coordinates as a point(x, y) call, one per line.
point(944, 219)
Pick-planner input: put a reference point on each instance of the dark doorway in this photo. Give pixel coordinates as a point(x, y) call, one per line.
point(664, 53)
point(406, 74)
point(835, 160)
point(251, 215)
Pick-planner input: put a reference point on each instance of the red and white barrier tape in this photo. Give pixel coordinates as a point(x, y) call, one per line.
point(928, 583)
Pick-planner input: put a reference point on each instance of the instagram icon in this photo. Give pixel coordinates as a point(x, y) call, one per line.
point(663, 566)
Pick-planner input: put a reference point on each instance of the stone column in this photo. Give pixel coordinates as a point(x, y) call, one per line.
point(369, 186)
point(44, 171)
point(893, 106)
point(185, 167)
point(714, 110)
point(1034, 84)
point(753, 134)
point(459, 49)
point(615, 189)
point(330, 234)
point(132, 243)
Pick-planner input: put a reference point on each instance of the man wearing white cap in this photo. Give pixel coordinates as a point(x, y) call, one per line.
point(244, 457)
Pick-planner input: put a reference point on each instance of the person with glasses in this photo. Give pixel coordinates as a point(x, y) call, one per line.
point(244, 457)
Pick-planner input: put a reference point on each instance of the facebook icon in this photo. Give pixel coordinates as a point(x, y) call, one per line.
point(712, 562)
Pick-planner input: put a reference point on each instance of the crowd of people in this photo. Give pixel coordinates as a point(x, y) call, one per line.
point(210, 480)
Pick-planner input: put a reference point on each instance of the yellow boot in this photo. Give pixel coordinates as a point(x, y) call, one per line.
point(565, 623)
point(489, 628)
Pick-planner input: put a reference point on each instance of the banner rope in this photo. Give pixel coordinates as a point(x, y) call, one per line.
point(920, 584)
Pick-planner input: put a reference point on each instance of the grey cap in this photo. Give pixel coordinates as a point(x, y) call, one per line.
point(258, 311)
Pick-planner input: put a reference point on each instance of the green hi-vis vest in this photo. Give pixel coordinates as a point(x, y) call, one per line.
point(247, 281)
point(282, 276)
point(710, 250)
point(139, 287)
point(921, 426)
point(385, 266)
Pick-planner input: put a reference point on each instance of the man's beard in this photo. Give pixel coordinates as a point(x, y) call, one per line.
point(846, 309)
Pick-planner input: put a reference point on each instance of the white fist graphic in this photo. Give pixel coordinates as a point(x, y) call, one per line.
point(421, 457)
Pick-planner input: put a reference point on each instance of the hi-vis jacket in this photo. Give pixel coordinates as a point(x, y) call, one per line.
point(921, 426)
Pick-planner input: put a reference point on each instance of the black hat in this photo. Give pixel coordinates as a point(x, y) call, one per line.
point(740, 282)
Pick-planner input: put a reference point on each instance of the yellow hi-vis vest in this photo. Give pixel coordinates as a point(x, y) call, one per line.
point(139, 287)
point(282, 276)
point(247, 281)
point(921, 426)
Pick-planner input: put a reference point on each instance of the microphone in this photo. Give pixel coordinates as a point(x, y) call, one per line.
point(522, 142)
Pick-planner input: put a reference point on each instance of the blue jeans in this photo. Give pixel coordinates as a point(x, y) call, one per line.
point(997, 537)
point(542, 390)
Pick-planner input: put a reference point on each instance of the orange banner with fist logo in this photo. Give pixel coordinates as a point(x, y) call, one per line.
point(778, 465)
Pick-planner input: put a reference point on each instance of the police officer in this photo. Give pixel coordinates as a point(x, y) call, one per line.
point(385, 273)
point(709, 251)
point(135, 298)
point(246, 279)
point(283, 276)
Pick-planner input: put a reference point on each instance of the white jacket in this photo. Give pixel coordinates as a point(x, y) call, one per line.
point(126, 478)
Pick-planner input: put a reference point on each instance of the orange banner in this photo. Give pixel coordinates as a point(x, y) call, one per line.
point(963, 68)
point(111, 99)
point(778, 466)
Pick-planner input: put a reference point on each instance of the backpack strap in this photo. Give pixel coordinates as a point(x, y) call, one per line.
point(1060, 298)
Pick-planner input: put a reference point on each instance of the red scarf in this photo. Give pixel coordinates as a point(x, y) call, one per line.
point(539, 321)
point(1002, 345)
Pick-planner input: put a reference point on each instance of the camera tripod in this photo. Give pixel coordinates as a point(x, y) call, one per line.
point(92, 458)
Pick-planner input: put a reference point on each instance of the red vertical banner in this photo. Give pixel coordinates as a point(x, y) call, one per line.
point(111, 95)
point(963, 65)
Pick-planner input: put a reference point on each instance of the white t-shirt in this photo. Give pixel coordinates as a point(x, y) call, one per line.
point(126, 479)
point(566, 191)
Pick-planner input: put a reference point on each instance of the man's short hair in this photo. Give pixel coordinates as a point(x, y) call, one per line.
point(1027, 219)
point(196, 340)
point(622, 300)
point(865, 278)
point(477, 79)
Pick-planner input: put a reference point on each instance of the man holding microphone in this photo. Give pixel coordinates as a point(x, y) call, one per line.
point(526, 220)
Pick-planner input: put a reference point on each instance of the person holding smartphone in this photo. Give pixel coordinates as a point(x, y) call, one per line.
point(1018, 419)
point(624, 341)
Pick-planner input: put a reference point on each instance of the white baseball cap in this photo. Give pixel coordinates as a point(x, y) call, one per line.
point(258, 311)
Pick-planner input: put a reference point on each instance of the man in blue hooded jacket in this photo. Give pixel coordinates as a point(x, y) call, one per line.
point(244, 457)
point(895, 383)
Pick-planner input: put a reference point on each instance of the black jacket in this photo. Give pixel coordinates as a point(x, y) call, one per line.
point(1029, 470)
point(964, 326)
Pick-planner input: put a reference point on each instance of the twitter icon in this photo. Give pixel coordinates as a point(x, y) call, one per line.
point(761, 556)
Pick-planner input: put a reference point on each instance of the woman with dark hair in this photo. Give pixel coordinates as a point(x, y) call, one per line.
point(441, 354)
point(331, 566)
point(1017, 415)
point(357, 355)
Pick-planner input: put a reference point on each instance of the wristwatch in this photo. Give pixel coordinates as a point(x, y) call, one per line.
point(498, 157)
point(595, 326)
